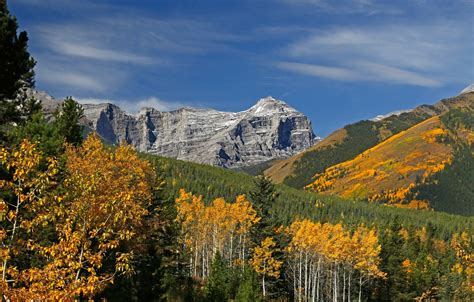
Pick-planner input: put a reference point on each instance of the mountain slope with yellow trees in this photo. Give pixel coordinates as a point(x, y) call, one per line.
point(350, 141)
point(391, 167)
point(409, 168)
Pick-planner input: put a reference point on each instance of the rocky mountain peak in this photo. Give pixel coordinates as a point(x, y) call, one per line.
point(468, 89)
point(270, 105)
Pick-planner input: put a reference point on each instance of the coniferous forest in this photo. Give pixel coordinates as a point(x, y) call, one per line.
point(83, 220)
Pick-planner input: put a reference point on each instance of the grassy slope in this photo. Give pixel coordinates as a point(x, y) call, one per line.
point(347, 143)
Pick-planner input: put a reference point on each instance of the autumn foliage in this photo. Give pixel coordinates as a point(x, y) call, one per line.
point(97, 209)
point(264, 262)
point(219, 227)
point(325, 258)
point(389, 171)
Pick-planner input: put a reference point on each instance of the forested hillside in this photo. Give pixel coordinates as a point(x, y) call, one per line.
point(392, 171)
point(212, 182)
point(347, 143)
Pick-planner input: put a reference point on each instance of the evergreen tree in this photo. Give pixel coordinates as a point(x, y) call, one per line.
point(67, 118)
point(263, 198)
point(249, 288)
point(16, 70)
point(217, 285)
point(38, 130)
point(16, 65)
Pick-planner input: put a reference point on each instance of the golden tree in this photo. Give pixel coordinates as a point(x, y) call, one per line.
point(104, 201)
point(322, 256)
point(264, 262)
point(26, 190)
point(219, 227)
point(367, 255)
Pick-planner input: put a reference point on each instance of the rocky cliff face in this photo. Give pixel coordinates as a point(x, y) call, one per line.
point(268, 130)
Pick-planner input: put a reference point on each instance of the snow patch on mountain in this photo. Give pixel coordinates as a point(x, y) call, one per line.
point(384, 116)
point(468, 89)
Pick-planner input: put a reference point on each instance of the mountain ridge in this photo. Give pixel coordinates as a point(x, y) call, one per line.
point(268, 130)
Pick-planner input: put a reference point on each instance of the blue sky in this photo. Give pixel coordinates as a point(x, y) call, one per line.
point(336, 61)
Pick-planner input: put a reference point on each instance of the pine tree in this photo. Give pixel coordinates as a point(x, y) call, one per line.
point(37, 129)
point(67, 118)
point(263, 197)
point(16, 70)
point(16, 65)
point(217, 285)
point(249, 289)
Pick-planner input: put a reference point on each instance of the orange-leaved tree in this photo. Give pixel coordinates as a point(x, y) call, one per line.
point(264, 262)
point(104, 199)
point(323, 258)
point(220, 227)
point(25, 187)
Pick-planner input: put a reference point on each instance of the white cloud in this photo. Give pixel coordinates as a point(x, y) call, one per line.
point(109, 49)
point(408, 46)
point(366, 7)
point(329, 72)
point(153, 102)
point(389, 74)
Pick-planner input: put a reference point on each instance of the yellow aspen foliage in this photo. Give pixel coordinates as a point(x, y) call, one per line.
point(264, 262)
point(390, 171)
point(105, 198)
point(322, 255)
point(368, 251)
point(464, 266)
point(219, 227)
point(28, 188)
point(407, 266)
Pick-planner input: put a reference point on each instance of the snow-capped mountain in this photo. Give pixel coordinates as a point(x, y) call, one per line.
point(468, 89)
point(270, 129)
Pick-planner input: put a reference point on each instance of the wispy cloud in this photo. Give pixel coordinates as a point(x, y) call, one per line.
point(366, 7)
point(361, 71)
point(334, 73)
point(97, 53)
point(74, 80)
point(389, 74)
point(100, 54)
point(423, 55)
